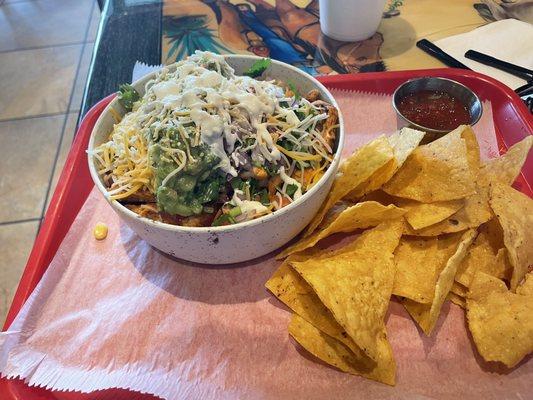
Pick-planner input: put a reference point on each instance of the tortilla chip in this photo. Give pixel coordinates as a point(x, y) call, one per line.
point(361, 215)
point(356, 285)
point(459, 290)
point(381, 197)
point(289, 287)
point(333, 352)
point(355, 170)
point(292, 290)
point(493, 232)
point(507, 167)
point(485, 257)
point(514, 211)
point(422, 215)
point(526, 288)
point(472, 148)
point(377, 180)
point(385, 236)
point(480, 253)
point(426, 315)
point(501, 268)
point(438, 171)
point(457, 300)
point(333, 213)
point(501, 322)
point(418, 263)
point(475, 212)
point(403, 144)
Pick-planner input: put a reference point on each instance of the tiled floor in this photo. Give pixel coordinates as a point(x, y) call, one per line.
point(45, 51)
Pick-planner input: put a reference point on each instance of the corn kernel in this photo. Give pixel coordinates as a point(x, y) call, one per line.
point(259, 173)
point(100, 231)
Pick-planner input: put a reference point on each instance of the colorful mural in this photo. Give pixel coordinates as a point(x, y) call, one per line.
point(285, 30)
point(289, 30)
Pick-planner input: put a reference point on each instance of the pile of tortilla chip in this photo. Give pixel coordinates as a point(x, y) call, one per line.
point(426, 223)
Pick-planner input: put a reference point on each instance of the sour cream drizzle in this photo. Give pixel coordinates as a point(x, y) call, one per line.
point(193, 88)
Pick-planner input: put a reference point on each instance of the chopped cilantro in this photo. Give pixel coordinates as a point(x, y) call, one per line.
point(224, 219)
point(291, 189)
point(271, 169)
point(249, 141)
point(297, 95)
point(237, 183)
point(262, 196)
point(127, 96)
point(286, 144)
point(300, 114)
point(258, 68)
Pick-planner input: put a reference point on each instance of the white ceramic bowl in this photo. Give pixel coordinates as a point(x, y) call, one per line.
point(233, 243)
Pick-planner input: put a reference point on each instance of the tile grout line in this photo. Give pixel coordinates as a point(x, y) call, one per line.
point(19, 221)
point(48, 46)
point(54, 114)
point(58, 150)
point(45, 115)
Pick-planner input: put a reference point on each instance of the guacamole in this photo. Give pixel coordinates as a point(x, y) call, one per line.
point(196, 184)
point(204, 146)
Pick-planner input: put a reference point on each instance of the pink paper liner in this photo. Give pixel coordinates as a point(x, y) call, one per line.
point(119, 314)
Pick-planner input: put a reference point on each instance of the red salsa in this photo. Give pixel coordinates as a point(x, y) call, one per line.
point(434, 109)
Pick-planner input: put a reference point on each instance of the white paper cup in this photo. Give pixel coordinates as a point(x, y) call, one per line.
point(350, 20)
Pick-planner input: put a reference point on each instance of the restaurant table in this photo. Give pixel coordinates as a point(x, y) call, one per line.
point(163, 31)
point(129, 30)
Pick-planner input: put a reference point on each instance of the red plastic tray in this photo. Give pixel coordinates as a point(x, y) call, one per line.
point(512, 120)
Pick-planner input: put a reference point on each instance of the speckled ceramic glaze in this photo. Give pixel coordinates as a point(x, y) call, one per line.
point(234, 243)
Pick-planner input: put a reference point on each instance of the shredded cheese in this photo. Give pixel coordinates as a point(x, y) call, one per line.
point(124, 158)
point(299, 156)
point(241, 120)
